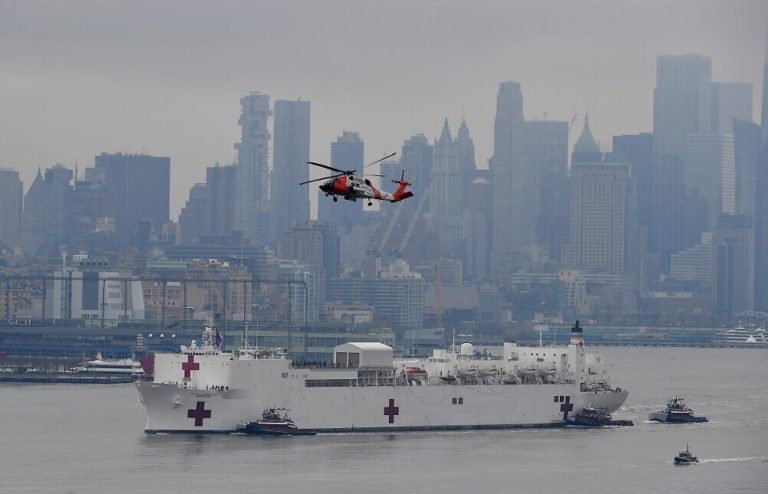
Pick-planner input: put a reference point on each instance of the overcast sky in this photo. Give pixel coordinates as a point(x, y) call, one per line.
point(165, 78)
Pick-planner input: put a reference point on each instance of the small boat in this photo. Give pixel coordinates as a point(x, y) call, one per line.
point(676, 412)
point(110, 367)
point(272, 423)
point(685, 457)
point(596, 417)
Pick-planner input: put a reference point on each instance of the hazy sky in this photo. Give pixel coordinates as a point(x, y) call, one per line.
point(78, 78)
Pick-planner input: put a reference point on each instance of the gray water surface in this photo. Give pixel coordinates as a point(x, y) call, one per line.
point(90, 439)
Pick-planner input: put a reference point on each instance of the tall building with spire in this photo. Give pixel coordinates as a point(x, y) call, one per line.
point(465, 151)
point(11, 205)
point(290, 202)
point(682, 105)
point(252, 194)
point(445, 192)
point(511, 223)
point(586, 149)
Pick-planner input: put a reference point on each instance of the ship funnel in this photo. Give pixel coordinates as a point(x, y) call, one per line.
point(577, 337)
point(576, 328)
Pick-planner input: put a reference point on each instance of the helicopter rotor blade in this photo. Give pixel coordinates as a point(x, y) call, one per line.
point(343, 172)
point(380, 159)
point(321, 178)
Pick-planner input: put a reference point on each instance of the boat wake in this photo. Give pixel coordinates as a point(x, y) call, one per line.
point(733, 460)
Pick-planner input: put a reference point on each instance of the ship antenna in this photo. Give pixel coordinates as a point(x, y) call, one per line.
point(541, 331)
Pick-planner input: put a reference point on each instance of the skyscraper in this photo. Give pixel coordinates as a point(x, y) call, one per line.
point(477, 228)
point(600, 207)
point(732, 248)
point(33, 216)
point(761, 204)
point(11, 205)
point(290, 202)
point(252, 197)
point(221, 184)
point(142, 188)
point(764, 113)
point(730, 100)
point(193, 215)
point(445, 192)
point(682, 104)
point(547, 151)
point(46, 219)
point(710, 182)
point(637, 149)
point(346, 154)
point(511, 220)
point(416, 161)
point(315, 244)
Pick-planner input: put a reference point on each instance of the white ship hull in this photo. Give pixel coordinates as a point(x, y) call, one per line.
point(371, 408)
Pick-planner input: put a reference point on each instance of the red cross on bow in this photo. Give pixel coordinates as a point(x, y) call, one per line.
point(199, 413)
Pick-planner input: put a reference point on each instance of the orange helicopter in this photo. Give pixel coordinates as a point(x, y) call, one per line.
point(353, 187)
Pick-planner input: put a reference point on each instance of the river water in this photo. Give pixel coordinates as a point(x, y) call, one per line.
point(90, 439)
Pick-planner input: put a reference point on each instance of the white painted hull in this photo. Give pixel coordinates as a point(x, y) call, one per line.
point(173, 409)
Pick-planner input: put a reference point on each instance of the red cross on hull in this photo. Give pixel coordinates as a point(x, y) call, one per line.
point(566, 407)
point(199, 413)
point(189, 366)
point(391, 411)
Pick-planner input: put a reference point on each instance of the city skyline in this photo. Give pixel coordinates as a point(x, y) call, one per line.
point(57, 61)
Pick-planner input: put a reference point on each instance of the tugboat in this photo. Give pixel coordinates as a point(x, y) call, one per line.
point(685, 457)
point(676, 412)
point(273, 424)
point(595, 417)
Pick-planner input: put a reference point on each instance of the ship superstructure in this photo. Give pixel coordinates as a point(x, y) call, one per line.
point(205, 389)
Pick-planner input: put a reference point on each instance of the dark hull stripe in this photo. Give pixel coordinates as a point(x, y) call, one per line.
point(553, 425)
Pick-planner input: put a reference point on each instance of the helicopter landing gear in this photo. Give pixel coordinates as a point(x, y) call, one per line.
point(335, 199)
